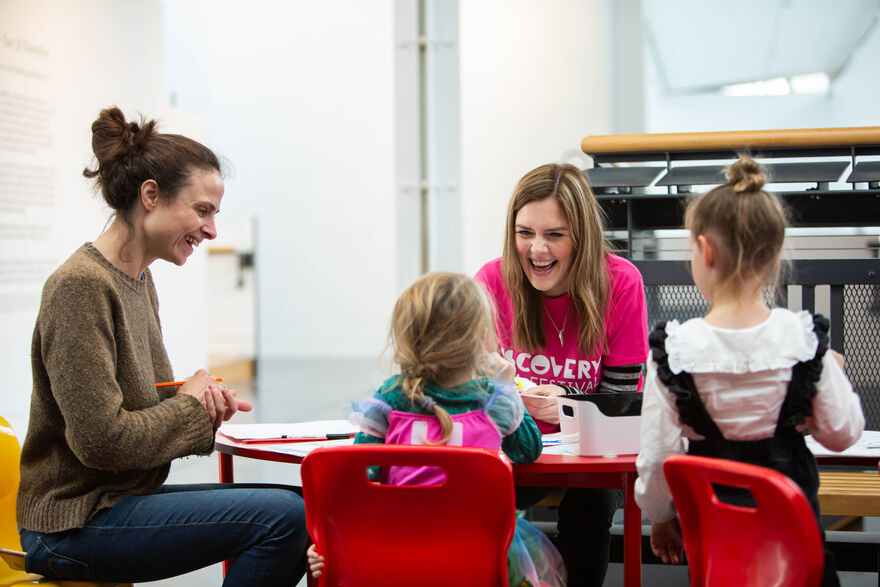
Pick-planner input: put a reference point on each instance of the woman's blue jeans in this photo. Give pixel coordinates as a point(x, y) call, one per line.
point(179, 529)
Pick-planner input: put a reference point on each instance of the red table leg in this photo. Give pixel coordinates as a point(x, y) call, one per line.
point(632, 535)
point(226, 476)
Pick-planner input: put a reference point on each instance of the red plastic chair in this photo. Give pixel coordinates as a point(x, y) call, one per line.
point(456, 533)
point(777, 542)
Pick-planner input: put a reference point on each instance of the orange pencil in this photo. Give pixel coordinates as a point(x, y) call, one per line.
point(170, 383)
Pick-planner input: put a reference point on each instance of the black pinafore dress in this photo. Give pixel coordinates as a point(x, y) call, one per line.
point(785, 451)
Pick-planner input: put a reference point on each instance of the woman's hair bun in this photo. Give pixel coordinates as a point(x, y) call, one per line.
point(115, 141)
point(746, 175)
point(114, 138)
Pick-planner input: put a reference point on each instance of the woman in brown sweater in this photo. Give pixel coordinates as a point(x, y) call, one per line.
point(101, 435)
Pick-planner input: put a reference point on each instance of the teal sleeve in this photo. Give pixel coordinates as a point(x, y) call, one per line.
point(524, 444)
point(361, 438)
point(373, 473)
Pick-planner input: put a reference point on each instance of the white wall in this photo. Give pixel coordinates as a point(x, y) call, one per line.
point(299, 97)
point(626, 75)
point(54, 57)
point(533, 84)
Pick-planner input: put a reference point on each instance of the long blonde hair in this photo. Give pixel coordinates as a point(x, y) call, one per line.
point(439, 331)
point(587, 274)
point(747, 222)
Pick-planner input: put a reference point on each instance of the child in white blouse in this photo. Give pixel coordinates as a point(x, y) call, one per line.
point(743, 381)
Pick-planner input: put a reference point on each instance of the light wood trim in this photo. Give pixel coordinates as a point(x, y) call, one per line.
point(734, 140)
point(221, 250)
point(232, 370)
point(849, 494)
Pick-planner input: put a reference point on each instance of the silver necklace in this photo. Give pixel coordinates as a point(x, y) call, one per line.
point(559, 331)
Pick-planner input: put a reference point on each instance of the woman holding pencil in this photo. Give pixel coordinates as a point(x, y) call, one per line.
point(92, 504)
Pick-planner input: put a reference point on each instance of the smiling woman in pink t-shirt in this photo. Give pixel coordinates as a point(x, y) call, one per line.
point(572, 318)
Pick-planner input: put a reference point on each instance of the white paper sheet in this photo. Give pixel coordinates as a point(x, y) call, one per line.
point(313, 429)
point(556, 443)
point(301, 449)
point(866, 446)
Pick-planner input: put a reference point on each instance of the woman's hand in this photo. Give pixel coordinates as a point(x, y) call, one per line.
point(316, 561)
point(543, 407)
point(217, 399)
point(225, 404)
point(666, 541)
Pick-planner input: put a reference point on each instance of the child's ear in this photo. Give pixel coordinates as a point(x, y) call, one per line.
point(707, 246)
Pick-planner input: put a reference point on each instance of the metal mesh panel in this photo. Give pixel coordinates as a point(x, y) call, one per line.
point(861, 346)
point(667, 302)
point(861, 307)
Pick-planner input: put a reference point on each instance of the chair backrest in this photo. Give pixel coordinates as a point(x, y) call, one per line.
point(776, 542)
point(454, 533)
point(10, 455)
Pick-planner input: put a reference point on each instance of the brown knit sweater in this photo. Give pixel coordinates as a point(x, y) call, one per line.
point(99, 431)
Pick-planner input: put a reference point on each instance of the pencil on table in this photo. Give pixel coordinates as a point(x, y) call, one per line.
point(170, 383)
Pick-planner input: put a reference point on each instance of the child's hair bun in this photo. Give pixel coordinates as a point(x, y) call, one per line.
point(746, 175)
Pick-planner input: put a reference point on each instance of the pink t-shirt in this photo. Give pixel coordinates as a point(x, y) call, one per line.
point(626, 327)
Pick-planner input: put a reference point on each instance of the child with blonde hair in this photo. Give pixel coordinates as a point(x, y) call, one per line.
point(441, 339)
point(745, 380)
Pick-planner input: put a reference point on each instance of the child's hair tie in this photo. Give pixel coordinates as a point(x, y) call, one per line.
point(427, 403)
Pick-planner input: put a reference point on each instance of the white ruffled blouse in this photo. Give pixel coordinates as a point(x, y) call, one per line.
point(742, 376)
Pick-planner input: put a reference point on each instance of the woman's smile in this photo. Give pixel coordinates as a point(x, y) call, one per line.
point(542, 266)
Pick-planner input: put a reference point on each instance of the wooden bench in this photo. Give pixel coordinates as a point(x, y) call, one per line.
point(849, 493)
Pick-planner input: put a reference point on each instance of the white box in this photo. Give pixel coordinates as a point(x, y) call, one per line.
point(604, 423)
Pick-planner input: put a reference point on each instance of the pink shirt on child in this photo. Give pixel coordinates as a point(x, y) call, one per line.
point(468, 429)
point(626, 327)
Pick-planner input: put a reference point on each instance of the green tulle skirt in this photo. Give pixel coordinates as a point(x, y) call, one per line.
point(532, 559)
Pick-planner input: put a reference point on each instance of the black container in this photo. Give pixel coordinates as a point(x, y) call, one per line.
point(625, 403)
